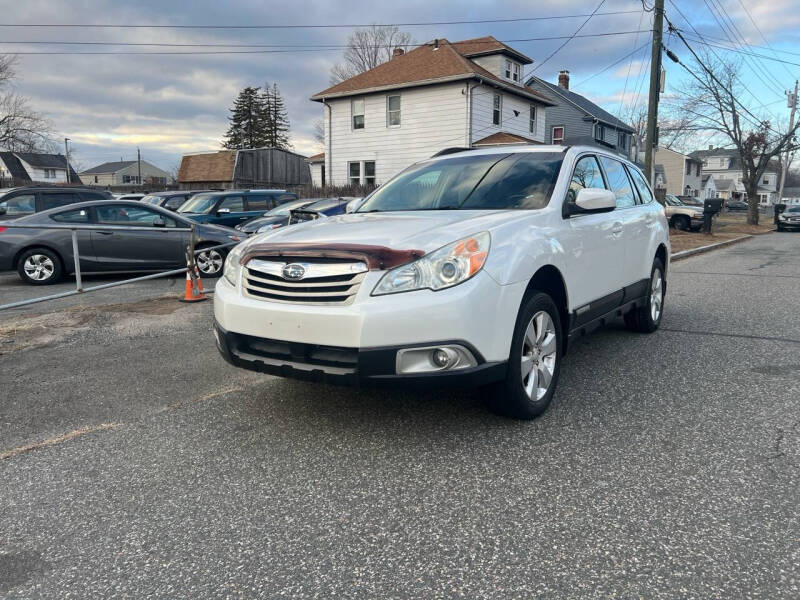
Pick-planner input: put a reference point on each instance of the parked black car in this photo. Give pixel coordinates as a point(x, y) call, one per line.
point(232, 207)
point(43, 256)
point(170, 200)
point(18, 202)
point(326, 207)
point(277, 217)
point(736, 205)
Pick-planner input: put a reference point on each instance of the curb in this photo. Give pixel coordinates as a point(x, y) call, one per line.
point(708, 248)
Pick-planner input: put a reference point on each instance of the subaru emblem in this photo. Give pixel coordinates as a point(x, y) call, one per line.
point(294, 271)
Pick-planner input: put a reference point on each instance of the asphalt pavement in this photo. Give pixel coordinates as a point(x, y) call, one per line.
point(135, 463)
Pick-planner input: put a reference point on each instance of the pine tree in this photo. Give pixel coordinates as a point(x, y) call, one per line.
point(277, 120)
point(249, 121)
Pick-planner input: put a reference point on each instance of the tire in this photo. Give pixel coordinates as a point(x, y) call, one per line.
point(780, 228)
point(210, 262)
point(647, 318)
point(537, 344)
point(40, 266)
point(681, 222)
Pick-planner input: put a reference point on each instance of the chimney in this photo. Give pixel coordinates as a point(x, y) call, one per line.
point(563, 79)
point(711, 146)
point(398, 52)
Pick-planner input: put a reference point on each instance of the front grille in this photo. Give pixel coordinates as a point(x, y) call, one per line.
point(334, 359)
point(324, 281)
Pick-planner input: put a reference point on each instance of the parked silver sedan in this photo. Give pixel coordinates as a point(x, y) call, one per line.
point(155, 242)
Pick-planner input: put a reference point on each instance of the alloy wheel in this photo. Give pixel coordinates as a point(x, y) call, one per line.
point(656, 295)
point(39, 267)
point(539, 349)
point(209, 262)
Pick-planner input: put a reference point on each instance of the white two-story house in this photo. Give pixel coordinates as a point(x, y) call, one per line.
point(725, 166)
point(439, 95)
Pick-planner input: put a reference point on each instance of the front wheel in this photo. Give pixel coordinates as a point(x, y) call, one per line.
point(209, 262)
point(534, 361)
point(647, 318)
point(681, 222)
point(40, 266)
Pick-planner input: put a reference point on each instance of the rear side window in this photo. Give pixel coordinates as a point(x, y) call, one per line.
point(587, 174)
point(257, 202)
point(618, 182)
point(24, 204)
point(232, 203)
point(644, 190)
point(80, 215)
point(54, 200)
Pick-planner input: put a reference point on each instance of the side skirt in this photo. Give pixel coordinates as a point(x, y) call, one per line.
point(590, 317)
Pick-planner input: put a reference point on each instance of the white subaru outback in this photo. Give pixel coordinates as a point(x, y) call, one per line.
point(472, 268)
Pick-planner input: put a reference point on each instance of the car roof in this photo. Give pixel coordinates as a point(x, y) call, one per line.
point(326, 203)
point(89, 203)
point(533, 149)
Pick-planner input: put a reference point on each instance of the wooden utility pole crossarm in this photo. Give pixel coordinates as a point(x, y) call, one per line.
point(655, 85)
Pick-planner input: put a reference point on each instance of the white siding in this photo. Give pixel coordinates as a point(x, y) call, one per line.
point(36, 174)
point(482, 106)
point(316, 173)
point(432, 118)
point(494, 63)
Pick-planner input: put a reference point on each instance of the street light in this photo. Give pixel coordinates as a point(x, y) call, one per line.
point(66, 150)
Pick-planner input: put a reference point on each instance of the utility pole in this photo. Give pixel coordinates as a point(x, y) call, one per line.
point(66, 151)
point(655, 85)
point(793, 104)
point(139, 160)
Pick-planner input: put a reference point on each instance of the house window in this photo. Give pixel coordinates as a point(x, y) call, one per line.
point(532, 119)
point(599, 132)
point(765, 180)
point(621, 140)
point(130, 179)
point(515, 75)
point(508, 69)
point(369, 172)
point(49, 173)
point(392, 111)
point(688, 168)
point(357, 109)
point(497, 109)
point(558, 135)
point(95, 178)
point(354, 173)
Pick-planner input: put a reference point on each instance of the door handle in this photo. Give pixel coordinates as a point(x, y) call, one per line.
point(616, 228)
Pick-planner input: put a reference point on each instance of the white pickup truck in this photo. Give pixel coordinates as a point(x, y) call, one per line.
point(472, 268)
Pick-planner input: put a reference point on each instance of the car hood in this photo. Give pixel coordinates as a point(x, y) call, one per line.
point(261, 221)
point(408, 230)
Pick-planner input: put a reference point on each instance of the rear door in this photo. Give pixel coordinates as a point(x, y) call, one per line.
point(86, 255)
point(145, 247)
point(258, 204)
point(628, 218)
point(645, 228)
point(592, 242)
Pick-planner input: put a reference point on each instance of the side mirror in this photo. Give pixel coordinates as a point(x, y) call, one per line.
point(352, 206)
point(591, 200)
point(223, 211)
point(159, 222)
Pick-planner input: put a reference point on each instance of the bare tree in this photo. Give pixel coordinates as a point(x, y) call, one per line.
point(711, 101)
point(319, 132)
point(21, 128)
point(367, 48)
point(676, 130)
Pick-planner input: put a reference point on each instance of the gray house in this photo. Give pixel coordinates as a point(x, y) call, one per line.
point(576, 120)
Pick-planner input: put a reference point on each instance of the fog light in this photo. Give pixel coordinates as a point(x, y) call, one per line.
point(441, 358)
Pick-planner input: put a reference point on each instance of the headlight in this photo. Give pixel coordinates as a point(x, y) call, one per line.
point(269, 227)
point(443, 268)
point(232, 268)
point(782, 217)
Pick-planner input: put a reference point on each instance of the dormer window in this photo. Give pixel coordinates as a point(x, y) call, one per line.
point(512, 71)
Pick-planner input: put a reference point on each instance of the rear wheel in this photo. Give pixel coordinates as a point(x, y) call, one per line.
point(209, 262)
point(40, 266)
point(647, 318)
point(534, 361)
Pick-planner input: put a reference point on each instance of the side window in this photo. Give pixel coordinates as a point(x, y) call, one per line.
point(618, 182)
point(638, 180)
point(233, 203)
point(130, 215)
point(175, 202)
point(587, 174)
point(59, 199)
point(258, 202)
point(80, 215)
point(93, 196)
point(23, 204)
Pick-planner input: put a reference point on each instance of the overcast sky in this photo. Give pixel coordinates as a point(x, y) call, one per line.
point(172, 104)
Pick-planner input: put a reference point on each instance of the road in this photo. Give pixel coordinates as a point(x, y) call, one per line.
point(667, 467)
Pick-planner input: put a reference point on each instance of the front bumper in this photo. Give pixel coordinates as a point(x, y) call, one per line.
point(345, 366)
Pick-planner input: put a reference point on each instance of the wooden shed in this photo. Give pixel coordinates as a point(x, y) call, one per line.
point(249, 168)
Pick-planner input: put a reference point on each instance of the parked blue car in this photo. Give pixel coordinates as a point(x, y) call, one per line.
point(232, 207)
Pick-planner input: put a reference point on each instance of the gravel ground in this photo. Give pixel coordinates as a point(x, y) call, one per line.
point(135, 463)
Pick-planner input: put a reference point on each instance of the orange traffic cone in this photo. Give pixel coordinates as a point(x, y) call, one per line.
point(194, 292)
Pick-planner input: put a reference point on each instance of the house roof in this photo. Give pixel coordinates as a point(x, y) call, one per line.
point(14, 166)
point(705, 179)
point(791, 192)
point(314, 158)
point(488, 45)
point(584, 104)
point(425, 65)
point(212, 166)
point(109, 167)
point(723, 185)
point(49, 161)
point(502, 138)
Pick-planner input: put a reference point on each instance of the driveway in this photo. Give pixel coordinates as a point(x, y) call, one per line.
point(134, 462)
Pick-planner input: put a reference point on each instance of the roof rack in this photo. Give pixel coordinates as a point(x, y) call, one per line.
point(452, 150)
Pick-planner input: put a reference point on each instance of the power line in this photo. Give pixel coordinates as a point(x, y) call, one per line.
point(312, 26)
point(307, 46)
point(557, 50)
point(615, 63)
point(763, 37)
point(630, 64)
point(743, 52)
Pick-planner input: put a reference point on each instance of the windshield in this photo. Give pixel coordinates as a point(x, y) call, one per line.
point(673, 201)
point(199, 204)
point(793, 209)
point(477, 182)
point(284, 209)
point(151, 199)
